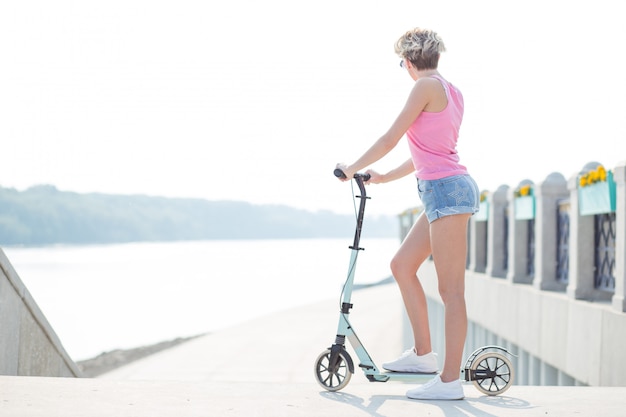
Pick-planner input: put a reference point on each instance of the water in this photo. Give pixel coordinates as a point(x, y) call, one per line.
point(104, 297)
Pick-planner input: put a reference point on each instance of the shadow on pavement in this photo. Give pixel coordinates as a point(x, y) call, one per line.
point(467, 407)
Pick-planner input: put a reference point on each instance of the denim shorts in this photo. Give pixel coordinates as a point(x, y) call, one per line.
point(447, 196)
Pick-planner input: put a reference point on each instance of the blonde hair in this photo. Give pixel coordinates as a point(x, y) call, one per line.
point(420, 46)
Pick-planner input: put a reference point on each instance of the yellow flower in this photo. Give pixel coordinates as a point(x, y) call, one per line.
point(595, 176)
point(525, 190)
point(591, 177)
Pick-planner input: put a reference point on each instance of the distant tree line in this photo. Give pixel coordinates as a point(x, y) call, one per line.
point(43, 215)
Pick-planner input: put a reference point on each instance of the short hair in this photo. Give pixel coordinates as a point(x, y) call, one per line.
point(421, 47)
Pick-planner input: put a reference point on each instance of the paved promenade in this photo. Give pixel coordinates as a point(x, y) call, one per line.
point(265, 368)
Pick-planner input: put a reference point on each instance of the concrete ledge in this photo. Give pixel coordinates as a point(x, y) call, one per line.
point(581, 338)
point(28, 344)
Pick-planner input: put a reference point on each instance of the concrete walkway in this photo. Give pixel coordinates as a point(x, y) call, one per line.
point(265, 368)
point(281, 347)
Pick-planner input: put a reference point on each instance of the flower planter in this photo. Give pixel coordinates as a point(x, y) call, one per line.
point(597, 198)
point(525, 207)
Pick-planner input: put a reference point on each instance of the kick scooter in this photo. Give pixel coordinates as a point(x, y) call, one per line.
point(488, 368)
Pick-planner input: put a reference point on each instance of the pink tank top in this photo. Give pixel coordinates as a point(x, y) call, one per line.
point(433, 137)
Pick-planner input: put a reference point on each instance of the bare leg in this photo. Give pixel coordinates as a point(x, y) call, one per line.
point(449, 246)
point(404, 265)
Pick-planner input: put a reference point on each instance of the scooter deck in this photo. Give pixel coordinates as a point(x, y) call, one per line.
point(407, 374)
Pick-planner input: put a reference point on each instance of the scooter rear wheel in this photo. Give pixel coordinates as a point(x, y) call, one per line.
point(332, 378)
point(493, 373)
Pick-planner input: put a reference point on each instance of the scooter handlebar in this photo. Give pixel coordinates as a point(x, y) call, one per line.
point(339, 174)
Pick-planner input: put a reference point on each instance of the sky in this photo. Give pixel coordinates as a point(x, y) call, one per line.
point(258, 100)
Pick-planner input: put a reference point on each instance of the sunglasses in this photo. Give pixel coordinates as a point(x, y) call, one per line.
point(402, 63)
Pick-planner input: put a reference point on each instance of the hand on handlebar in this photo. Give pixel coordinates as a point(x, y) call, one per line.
point(344, 174)
point(375, 177)
point(347, 173)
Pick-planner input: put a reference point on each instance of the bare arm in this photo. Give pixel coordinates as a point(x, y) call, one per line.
point(403, 170)
point(421, 95)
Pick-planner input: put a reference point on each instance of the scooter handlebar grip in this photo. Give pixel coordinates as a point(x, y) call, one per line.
point(339, 173)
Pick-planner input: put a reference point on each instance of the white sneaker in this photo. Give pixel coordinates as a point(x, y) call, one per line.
point(436, 389)
point(410, 362)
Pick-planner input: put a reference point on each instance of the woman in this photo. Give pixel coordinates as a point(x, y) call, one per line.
point(431, 119)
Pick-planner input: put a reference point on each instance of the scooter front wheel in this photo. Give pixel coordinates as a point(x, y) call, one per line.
point(332, 377)
point(493, 373)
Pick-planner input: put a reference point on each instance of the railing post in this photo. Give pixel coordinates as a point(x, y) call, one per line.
point(478, 241)
point(497, 233)
point(407, 220)
point(619, 298)
point(582, 250)
point(518, 239)
point(547, 197)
